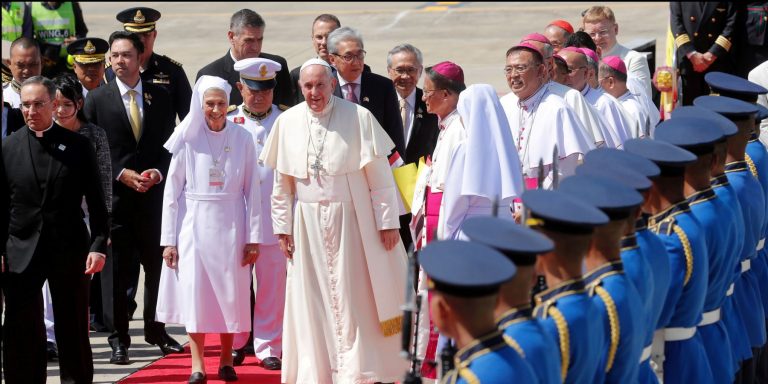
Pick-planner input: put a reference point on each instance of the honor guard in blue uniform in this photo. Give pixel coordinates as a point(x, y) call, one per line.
point(155, 68)
point(645, 259)
point(464, 280)
point(565, 309)
point(610, 288)
point(737, 334)
point(514, 313)
point(698, 136)
point(677, 348)
point(742, 174)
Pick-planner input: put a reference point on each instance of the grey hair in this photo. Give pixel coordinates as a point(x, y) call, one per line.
point(343, 34)
point(404, 48)
point(591, 63)
point(44, 81)
point(245, 18)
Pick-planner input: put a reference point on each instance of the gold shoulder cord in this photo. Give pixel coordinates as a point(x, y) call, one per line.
point(613, 319)
point(513, 343)
point(565, 339)
point(751, 164)
point(688, 253)
point(468, 376)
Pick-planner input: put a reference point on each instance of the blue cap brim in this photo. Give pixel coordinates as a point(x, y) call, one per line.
point(259, 85)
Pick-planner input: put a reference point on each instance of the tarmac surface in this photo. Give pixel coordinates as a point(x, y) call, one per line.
point(475, 35)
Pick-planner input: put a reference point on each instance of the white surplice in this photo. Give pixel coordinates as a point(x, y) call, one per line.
point(344, 289)
point(210, 225)
point(540, 123)
point(614, 115)
point(759, 75)
point(635, 108)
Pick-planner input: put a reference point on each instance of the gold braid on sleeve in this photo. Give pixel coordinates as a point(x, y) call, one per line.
point(565, 343)
point(751, 164)
point(688, 252)
point(613, 320)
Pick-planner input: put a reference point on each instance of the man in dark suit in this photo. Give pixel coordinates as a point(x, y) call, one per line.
point(246, 35)
point(157, 69)
point(322, 26)
point(48, 170)
point(405, 65)
point(704, 33)
point(374, 92)
point(12, 120)
point(138, 118)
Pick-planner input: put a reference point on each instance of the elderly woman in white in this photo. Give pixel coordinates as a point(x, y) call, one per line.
point(211, 227)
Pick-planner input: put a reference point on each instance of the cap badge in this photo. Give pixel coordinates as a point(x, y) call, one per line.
point(89, 48)
point(139, 18)
point(263, 70)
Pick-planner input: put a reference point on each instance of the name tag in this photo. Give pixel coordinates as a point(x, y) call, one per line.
point(215, 177)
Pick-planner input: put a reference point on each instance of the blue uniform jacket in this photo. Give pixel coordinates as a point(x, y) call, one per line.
point(653, 250)
point(746, 294)
point(720, 237)
point(638, 269)
point(541, 351)
point(682, 235)
point(740, 344)
point(621, 308)
point(491, 359)
point(567, 309)
point(759, 157)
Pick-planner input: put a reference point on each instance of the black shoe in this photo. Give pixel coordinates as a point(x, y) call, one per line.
point(238, 356)
point(227, 373)
point(197, 378)
point(119, 356)
point(169, 346)
point(52, 351)
point(272, 363)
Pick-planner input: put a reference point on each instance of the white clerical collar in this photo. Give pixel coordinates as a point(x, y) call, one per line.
point(40, 133)
point(529, 103)
point(443, 123)
point(232, 55)
point(124, 88)
point(343, 82)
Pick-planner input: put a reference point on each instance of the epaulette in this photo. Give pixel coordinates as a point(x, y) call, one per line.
point(666, 227)
point(172, 60)
point(282, 107)
point(231, 108)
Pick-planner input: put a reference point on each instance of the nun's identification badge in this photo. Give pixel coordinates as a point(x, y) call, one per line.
point(215, 177)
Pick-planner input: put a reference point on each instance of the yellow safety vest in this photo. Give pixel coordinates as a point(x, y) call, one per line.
point(54, 25)
point(13, 18)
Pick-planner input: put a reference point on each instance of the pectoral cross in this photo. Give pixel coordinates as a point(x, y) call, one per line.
point(317, 167)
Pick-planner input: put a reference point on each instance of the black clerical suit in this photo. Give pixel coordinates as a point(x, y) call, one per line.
point(136, 217)
point(46, 238)
point(377, 95)
point(224, 68)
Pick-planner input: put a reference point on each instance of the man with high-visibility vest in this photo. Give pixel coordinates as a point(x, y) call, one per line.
point(56, 24)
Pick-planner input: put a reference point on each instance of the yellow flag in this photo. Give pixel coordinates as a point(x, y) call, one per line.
point(405, 178)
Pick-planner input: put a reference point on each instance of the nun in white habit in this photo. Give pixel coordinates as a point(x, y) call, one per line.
point(211, 226)
point(485, 166)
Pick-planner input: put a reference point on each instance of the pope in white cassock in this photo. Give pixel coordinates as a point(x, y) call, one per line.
point(211, 225)
point(346, 261)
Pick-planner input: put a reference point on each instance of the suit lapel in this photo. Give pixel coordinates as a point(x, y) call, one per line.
point(147, 103)
point(53, 171)
point(413, 139)
point(31, 167)
point(337, 90)
point(365, 99)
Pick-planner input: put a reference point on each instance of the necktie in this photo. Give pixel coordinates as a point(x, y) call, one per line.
point(135, 117)
point(404, 114)
point(351, 93)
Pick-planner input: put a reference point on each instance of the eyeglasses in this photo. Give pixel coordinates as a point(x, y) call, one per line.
point(572, 70)
point(516, 69)
point(603, 79)
point(36, 104)
point(429, 92)
point(411, 71)
point(600, 33)
point(348, 58)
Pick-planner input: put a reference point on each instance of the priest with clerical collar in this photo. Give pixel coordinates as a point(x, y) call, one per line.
point(341, 237)
point(541, 121)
